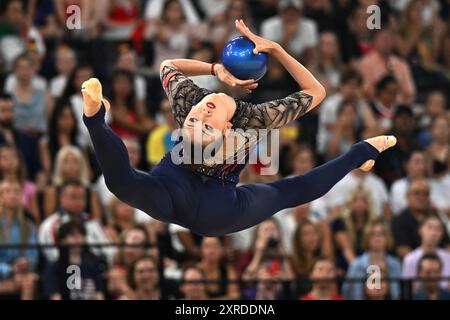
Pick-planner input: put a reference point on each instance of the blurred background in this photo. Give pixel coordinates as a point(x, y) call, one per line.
point(63, 235)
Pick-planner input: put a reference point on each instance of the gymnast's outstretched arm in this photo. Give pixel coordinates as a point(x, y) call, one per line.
point(277, 113)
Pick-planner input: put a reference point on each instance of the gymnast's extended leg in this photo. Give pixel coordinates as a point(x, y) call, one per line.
point(136, 188)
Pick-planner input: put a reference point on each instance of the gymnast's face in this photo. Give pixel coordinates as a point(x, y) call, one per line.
point(209, 119)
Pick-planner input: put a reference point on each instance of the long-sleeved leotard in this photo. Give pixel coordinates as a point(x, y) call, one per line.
point(208, 205)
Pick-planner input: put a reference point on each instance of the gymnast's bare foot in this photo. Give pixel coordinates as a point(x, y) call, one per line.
point(381, 143)
point(92, 97)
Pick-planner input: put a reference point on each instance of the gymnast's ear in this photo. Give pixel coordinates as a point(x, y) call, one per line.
point(227, 129)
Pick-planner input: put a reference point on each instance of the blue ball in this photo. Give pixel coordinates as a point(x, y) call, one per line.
point(238, 58)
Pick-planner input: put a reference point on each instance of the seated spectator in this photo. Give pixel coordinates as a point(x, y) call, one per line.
point(292, 31)
point(134, 242)
point(159, 140)
point(155, 9)
point(172, 34)
point(119, 18)
point(384, 102)
point(357, 178)
point(405, 227)
point(72, 200)
point(268, 286)
point(128, 117)
point(193, 284)
point(17, 33)
point(31, 104)
point(127, 60)
point(71, 165)
point(144, 280)
point(10, 135)
point(73, 259)
point(89, 16)
point(16, 265)
point(323, 275)
point(121, 217)
point(429, 271)
point(345, 133)
point(435, 105)
point(415, 169)
point(391, 166)
point(431, 232)
point(65, 63)
point(205, 52)
point(12, 168)
point(223, 26)
point(62, 131)
point(380, 62)
point(376, 241)
point(348, 229)
point(267, 250)
point(216, 269)
point(327, 64)
point(310, 242)
point(381, 292)
point(439, 149)
point(72, 93)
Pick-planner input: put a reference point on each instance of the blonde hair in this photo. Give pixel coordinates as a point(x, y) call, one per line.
point(58, 179)
point(386, 231)
point(347, 214)
point(19, 214)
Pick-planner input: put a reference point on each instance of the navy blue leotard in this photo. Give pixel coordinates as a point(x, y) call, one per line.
point(209, 202)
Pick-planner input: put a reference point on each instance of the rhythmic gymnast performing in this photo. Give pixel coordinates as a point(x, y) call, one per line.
point(205, 197)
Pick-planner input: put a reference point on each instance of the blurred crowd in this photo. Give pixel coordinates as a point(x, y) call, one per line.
point(60, 224)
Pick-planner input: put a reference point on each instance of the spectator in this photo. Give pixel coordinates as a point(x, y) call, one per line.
point(323, 275)
point(223, 26)
point(431, 232)
point(15, 228)
point(159, 140)
point(16, 35)
point(382, 292)
point(439, 149)
point(268, 287)
point(121, 217)
point(345, 132)
point(10, 135)
point(348, 229)
point(380, 62)
point(391, 166)
point(405, 227)
point(72, 199)
point(369, 181)
point(144, 279)
point(31, 105)
point(310, 242)
point(222, 274)
point(415, 169)
point(292, 31)
point(65, 63)
point(376, 241)
point(134, 242)
point(268, 250)
point(327, 64)
point(62, 131)
point(89, 286)
point(71, 165)
point(429, 271)
point(385, 101)
point(193, 285)
point(172, 34)
point(12, 168)
point(127, 60)
point(72, 94)
point(128, 117)
point(435, 105)
point(119, 18)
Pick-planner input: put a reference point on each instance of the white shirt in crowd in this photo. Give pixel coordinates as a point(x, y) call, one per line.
point(94, 235)
point(305, 38)
point(339, 194)
point(38, 82)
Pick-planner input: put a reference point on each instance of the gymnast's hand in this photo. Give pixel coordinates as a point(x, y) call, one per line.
point(92, 97)
point(226, 77)
point(261, 44)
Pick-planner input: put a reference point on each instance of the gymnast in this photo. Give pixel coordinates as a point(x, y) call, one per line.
point(205, 197)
